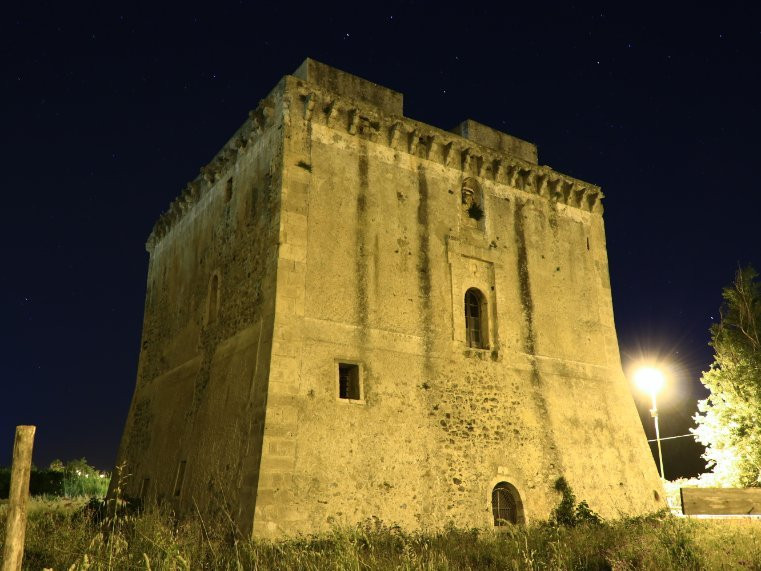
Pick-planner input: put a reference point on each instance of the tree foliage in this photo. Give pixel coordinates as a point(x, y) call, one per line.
point(729, 421)
point(75, 478)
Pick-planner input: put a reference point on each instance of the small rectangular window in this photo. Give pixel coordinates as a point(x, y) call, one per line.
point(180, 478)
point(348, 381)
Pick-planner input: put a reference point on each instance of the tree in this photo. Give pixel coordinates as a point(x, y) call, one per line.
point(730, 423)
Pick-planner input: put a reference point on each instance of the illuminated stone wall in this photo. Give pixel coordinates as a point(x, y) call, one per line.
point(361, 253)
point(202, 378)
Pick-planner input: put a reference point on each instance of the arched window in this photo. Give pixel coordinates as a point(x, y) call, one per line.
point(505, 504)
point(476, 334)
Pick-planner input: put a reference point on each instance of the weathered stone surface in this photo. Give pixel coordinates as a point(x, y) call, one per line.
point(351, 87)
point(348, 235)
point(488, 137)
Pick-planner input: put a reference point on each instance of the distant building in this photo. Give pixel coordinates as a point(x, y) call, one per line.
point(352, 314)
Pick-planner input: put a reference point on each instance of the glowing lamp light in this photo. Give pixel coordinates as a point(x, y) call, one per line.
point(649, 379)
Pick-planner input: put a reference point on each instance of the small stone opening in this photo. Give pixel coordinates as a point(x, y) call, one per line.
point(472, 202)
point(180, 478)
point(348, 381)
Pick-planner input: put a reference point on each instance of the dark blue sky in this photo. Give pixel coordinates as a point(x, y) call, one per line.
point(108, 111)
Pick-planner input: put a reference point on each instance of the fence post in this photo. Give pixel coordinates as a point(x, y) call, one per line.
point(18, 498)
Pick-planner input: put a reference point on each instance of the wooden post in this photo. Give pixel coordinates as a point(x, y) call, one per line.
point(18, 498)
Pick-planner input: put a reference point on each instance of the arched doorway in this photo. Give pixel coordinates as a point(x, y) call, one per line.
point(506, 505)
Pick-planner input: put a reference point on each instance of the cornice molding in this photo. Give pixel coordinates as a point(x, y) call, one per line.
point(395, 132)
point(448, 149)
point(259, 120)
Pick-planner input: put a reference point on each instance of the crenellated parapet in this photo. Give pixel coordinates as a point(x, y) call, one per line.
point(379, 123)
point(401, 134)
point(259, 120)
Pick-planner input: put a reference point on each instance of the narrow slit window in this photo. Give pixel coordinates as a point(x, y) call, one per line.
point(229, 189)
point(213, 299)
point(348, 381)
point(475, 314)
point(144, 487)
point(179, 479)
point(253, 197)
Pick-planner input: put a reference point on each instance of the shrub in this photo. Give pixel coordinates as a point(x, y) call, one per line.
point(81, 479)
point(75, 478)
point(475, 211)
point(568, 513)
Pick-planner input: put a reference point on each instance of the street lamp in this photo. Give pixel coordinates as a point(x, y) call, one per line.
point(650, 379)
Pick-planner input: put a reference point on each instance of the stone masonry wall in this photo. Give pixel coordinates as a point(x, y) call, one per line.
point(379, 254)
point(204, 364)
point(334, 230)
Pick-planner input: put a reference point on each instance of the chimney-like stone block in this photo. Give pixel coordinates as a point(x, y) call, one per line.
point(497, 140)
point(348, 85)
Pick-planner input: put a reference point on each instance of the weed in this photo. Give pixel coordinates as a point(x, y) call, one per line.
point(568, 512)
point(153, 538)
point(475, 211)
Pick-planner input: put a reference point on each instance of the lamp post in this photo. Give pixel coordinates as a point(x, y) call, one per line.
point(650, 379)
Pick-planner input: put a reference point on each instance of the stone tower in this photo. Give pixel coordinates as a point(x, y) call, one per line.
point(350, 314)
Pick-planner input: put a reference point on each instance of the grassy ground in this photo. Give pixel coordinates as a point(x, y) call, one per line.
point(62, 536)
point(48, 504)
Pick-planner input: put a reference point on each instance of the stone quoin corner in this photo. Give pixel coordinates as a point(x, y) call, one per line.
point(351, 314)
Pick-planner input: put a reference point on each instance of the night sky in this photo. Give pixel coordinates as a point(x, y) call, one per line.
point(107, 112)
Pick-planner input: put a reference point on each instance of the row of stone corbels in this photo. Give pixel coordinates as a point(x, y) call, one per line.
point(402, 134)
point(259, 119)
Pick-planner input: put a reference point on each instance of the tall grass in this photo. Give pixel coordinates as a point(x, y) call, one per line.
point(80, 540)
